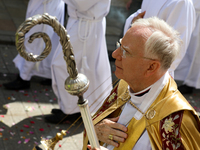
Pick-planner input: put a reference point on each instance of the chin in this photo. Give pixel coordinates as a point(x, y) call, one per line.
point(118, 75)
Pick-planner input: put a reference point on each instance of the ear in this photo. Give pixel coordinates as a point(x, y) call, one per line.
point(153, 67)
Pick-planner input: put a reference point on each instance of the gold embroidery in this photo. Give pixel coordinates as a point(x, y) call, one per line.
point(111, 97)
point(168, 125)
point(125, 96)
point(171, 133)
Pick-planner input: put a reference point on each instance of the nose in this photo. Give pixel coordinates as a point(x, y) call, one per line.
point(116, 54)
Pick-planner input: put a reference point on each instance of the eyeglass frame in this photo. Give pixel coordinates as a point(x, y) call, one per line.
point(118, 44)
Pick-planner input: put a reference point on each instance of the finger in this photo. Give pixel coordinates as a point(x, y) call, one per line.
point(114, 143)
point(114, 119)
point(118, 126)
point(89, 147)
point(119, 133)
point(134, 19)
point(118, 139)
point(141, 15)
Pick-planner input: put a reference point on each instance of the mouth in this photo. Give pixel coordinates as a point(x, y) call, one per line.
point(117, 67)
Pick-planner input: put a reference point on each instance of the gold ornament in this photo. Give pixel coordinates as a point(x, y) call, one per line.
point(50, 143)
point(150, 114)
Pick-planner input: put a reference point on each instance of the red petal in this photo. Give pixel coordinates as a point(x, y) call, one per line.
point(26, 126)
point(32, 122)
point(41, 129)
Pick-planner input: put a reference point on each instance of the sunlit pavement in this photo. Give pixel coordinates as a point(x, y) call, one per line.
point(22, 112)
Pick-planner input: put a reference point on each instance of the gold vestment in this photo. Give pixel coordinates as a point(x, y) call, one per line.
point(169, 101)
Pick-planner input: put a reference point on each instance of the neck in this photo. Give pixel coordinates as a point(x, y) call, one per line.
point(145, 83)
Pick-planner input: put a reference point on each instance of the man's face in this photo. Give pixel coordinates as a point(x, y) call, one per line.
point(130, 61)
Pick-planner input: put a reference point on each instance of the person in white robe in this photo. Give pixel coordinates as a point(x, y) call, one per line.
point(180, 14)
point(189, 69)
point(86, 27)
point(42, 69)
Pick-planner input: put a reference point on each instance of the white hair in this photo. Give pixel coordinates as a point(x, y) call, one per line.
point(163, 44)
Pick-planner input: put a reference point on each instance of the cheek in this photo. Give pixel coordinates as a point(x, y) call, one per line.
point(133, 68)
point(129, 68)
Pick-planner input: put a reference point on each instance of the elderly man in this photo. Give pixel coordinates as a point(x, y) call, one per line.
point(145, 110)
point(180, 14)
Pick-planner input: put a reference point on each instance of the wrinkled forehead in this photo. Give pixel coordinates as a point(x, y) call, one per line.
point(136, 36)
point(141, 32)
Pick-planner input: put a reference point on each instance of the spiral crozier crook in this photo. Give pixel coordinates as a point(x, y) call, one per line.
point(75, 84)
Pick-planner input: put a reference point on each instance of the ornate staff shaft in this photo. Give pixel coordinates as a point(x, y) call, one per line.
point(75, 84)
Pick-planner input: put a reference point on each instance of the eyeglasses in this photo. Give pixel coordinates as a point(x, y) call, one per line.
point(125, 53)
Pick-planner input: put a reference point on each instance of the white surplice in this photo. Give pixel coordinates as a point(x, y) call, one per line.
point(189, 68)
point(86, 27)
point(43, 69)
point(180, 14)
